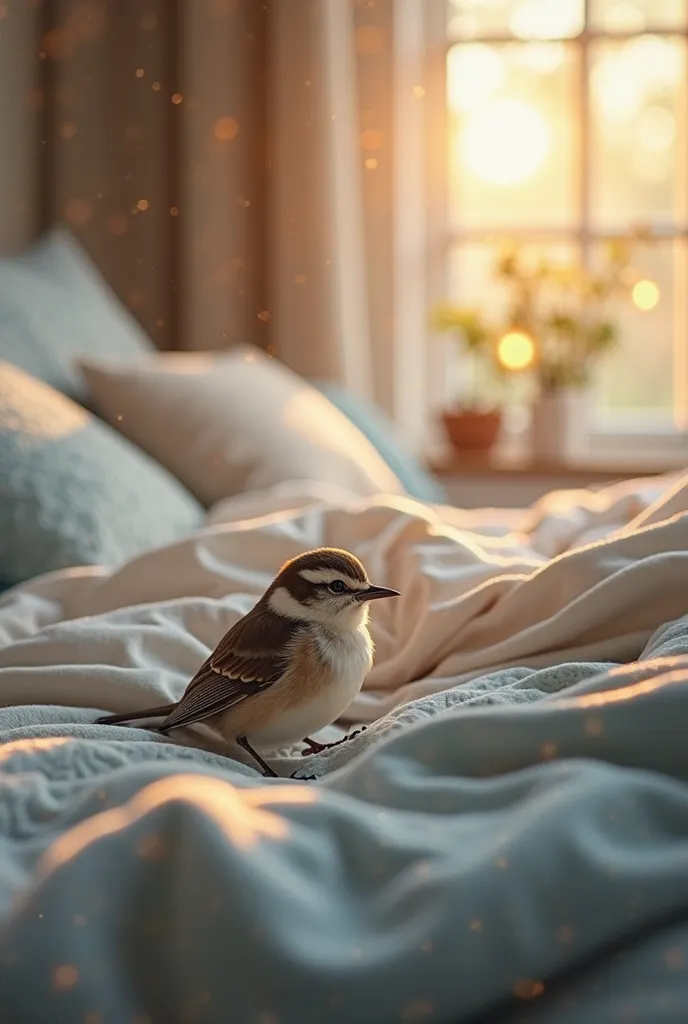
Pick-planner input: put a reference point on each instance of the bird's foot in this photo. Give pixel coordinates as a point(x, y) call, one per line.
point(317, 748)
point(302, 778)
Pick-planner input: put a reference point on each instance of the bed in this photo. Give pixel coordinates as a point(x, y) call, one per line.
point(506, 840)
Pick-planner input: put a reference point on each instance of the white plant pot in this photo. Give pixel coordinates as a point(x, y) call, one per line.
point(558, 426)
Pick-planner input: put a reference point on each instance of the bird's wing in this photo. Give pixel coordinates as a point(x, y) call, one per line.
point(247, 661)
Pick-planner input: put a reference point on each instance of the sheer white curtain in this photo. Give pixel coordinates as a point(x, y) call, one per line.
point(319, 314)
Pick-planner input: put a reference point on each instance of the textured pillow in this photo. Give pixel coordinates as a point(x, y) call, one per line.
point(229, 422)
point(72, 492)
point(380, 431)
point(54, 306)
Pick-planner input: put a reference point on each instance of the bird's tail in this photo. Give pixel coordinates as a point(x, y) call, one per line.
point(160, 712)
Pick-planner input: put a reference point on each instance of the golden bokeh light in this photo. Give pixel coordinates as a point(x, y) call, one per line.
point(78, 211)
point(505, 142)
point(516, 351)
point(371, 139)
point(371, 163)
point(226, 129)
point(142, 205)
point(645, 294)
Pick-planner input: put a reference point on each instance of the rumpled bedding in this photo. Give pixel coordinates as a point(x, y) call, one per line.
point(507, 840)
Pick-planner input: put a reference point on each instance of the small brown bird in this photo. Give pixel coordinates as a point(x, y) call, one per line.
point(289, 667)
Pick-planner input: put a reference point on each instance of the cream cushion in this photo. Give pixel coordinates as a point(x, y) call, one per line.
point(226, 423)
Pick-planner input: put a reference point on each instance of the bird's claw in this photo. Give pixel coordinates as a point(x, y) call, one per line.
point(317, 748)
point(303, 778)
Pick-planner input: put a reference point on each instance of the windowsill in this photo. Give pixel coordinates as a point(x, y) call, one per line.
point(592, 469)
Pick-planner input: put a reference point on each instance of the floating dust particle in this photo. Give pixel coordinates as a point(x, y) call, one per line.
point(68, 130)
point(160, 322)
point(300, 279)
point(476, 925)
point(674, 958)
point(177, 98)
point(78, 211)
point(371, 139)
point(149, 22)
point(118, 224)
point(79, 920)
point(565, 933)
point(528, 989)
point(594, 726)
point(548, 751)
point(418, 92)
point(139, 72)
point(156, 86)
point(142, 204)
point(264, 315)
point(502, 863)
point(174, 211)
point(226, 129)
point(65, 976)
point(371, 163)
point(136, 298)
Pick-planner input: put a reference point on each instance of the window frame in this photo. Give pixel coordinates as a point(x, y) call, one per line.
point(651, 443)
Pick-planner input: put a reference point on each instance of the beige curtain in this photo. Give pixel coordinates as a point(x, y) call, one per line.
point(226, 163)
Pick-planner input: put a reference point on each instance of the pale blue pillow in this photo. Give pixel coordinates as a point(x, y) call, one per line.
point(73, 491)
point(380, 431)
point(55, 307)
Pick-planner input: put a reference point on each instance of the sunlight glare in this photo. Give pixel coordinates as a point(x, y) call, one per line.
point(474, 73)
point(516, 350)
point(645, 294)
point(505, 142)
point(547, 19)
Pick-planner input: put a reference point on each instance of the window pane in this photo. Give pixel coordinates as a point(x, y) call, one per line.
point(471, 283)
point(637, 15)
point(526, 19)
point(513, 146)
point(639, 118)
point(638, 377)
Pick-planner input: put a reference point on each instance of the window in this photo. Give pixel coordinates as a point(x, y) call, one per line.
point(567, 126)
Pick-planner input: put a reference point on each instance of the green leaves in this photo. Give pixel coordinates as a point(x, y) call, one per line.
point(564, 307)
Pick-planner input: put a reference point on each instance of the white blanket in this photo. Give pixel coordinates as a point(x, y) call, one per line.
point(463, 860)
point(582, 576)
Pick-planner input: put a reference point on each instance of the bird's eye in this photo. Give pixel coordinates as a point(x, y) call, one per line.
point(337, 587)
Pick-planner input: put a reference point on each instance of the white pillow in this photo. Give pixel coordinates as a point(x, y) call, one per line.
point(226, 423)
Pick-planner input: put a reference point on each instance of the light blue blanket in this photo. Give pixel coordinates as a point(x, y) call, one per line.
point(525, 861)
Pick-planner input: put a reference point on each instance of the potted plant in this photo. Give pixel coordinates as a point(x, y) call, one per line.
point(557, 326)
point(473, 423)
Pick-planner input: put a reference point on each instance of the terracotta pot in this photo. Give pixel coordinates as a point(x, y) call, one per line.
point(470, 430)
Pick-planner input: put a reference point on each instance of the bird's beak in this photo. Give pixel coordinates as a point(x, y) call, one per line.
point(373, 593)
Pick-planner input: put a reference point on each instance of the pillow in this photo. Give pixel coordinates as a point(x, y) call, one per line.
point(72, 492)
point(372, 421)
point(225, 423)
point(54, 306)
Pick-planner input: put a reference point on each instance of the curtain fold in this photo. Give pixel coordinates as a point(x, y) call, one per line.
point(211, 157)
